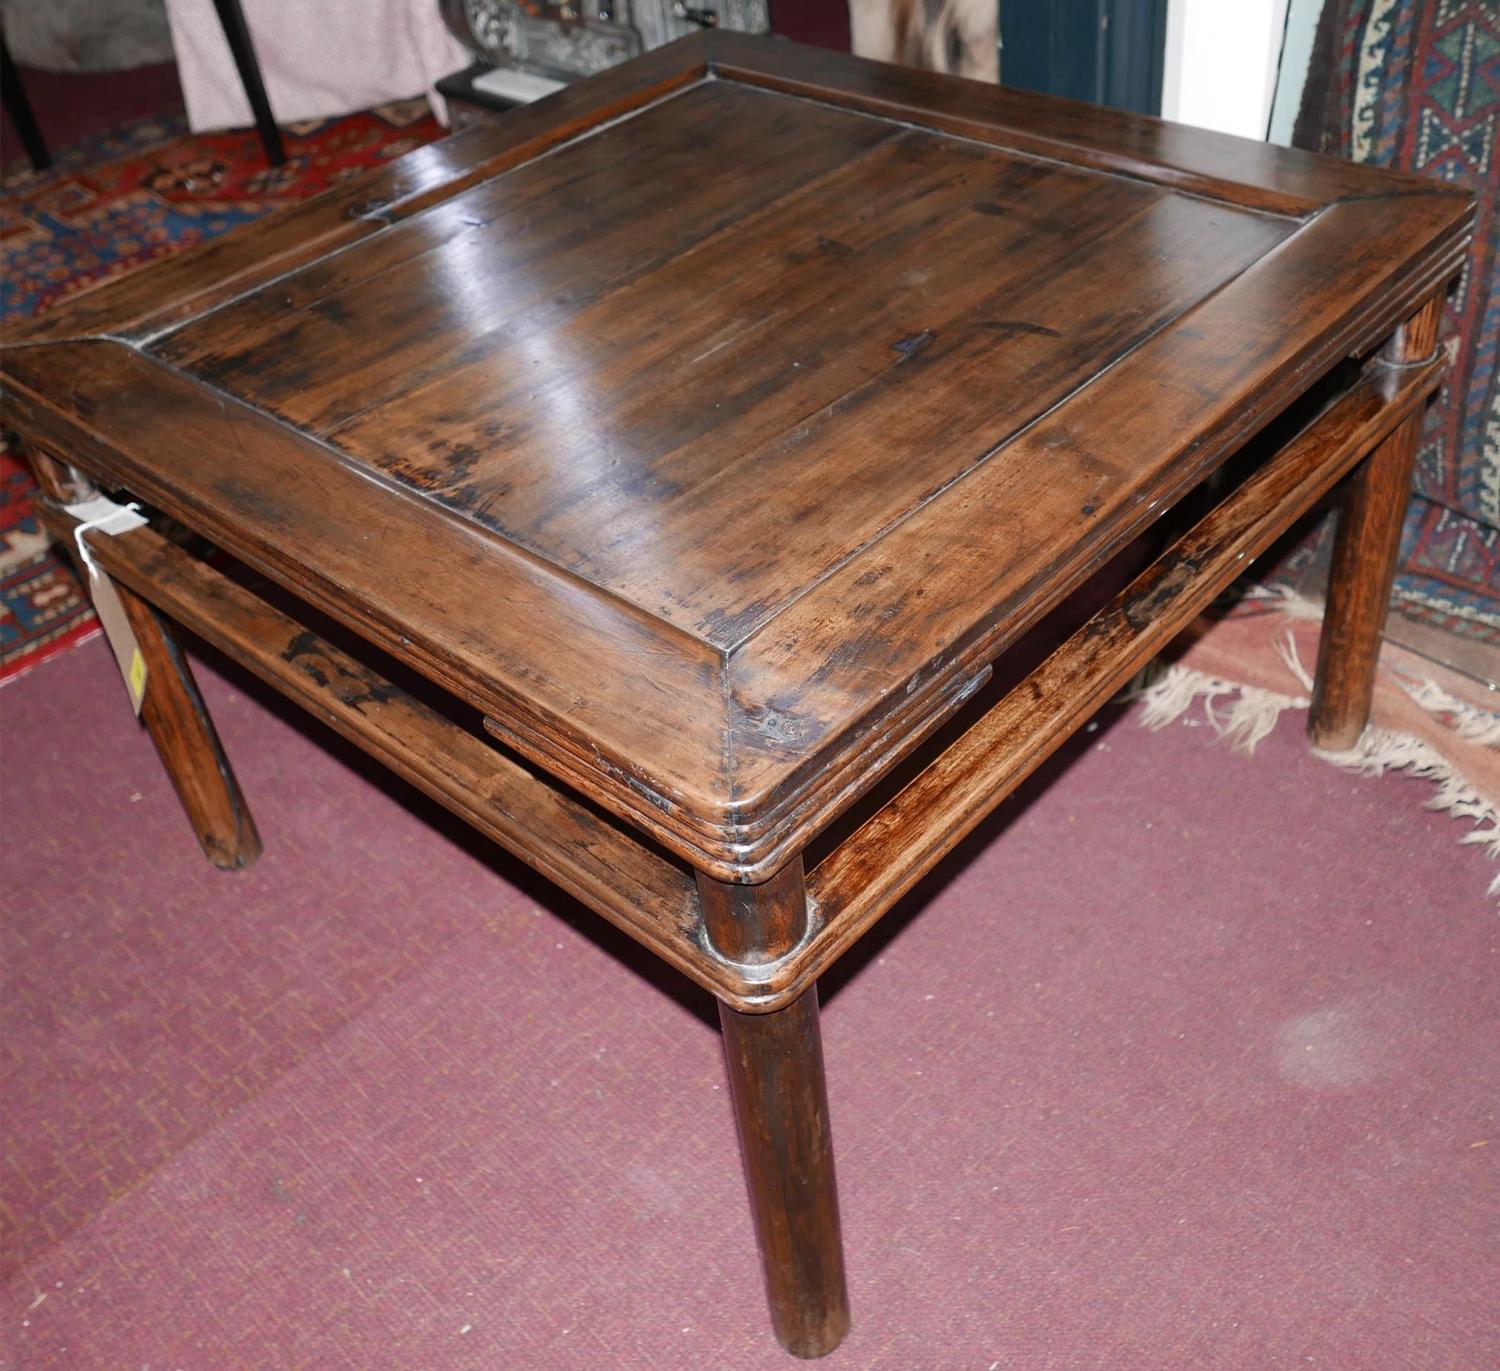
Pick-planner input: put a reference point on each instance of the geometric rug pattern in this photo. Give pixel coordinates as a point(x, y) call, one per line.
point(1415, 85)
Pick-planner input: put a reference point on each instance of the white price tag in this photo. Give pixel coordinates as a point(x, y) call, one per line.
point(105, 516)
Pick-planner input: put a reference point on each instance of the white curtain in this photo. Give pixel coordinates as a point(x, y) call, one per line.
point(318, 58)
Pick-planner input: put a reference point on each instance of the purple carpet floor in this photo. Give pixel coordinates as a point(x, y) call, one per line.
point(1190, 1061)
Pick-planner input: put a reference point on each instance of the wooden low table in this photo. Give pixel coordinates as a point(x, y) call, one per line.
point(709, 430)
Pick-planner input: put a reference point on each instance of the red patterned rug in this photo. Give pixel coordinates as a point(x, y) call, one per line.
point(110, 204)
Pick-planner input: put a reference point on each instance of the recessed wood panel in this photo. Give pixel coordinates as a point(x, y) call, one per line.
point(704, 357)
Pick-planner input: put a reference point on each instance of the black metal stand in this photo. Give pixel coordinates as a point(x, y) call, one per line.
point(19, 109)
point(232, 17)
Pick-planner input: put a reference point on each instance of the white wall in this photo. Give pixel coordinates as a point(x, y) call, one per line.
point(1221, 61)
point(1296, 54)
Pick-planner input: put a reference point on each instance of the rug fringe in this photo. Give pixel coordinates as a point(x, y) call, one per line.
point(1380, 750)
point(1243, 715)
point(1293, 604)
point(1470, 722)
point(1166, 695)
point(1251, 715)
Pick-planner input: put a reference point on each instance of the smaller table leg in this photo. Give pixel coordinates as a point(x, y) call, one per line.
point(172, 709)
point(781, 1105)
point(781, 1108)
point(1364, 561)
point(188, 744)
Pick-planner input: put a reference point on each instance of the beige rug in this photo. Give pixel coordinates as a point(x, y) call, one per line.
point(1247, 668)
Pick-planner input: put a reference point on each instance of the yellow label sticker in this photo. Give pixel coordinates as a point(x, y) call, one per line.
point(122, 640)
point(137, 678)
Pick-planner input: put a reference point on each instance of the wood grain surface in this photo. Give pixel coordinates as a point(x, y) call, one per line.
point(780, 1098)
point(599, 862)
point(713, 424)
point(757, 948)
point(1364, 558)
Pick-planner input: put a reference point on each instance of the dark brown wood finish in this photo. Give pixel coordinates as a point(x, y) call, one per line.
point(139, 306)
point(766, 944)
point(711, 428)
point(648, 896)
point(771, 411)
point(188, 744)
point(924, 822)
point(1364, 559)
point(781, 1107)
point(755, 925)
point(1242, 171)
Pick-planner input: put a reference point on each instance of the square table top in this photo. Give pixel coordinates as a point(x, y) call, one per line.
point(712, 423)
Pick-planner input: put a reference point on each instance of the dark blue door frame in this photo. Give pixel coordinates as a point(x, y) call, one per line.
point(1105, 51)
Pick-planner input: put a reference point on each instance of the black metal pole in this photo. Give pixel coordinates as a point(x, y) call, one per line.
point(19, 109)
point(232, 17)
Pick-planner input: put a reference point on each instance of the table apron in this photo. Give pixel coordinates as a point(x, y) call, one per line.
point(899, 844)
point(653, 897)
point(650, 896)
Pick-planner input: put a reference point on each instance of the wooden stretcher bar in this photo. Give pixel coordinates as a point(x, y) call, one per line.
point(654, 898)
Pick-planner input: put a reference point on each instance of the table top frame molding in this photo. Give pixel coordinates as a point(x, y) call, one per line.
point(733, 744)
